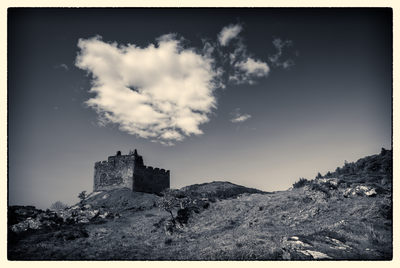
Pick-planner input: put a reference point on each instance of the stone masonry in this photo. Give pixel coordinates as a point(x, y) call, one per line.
point(121, 171)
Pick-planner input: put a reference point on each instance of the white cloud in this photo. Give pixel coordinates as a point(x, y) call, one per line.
point(228, 33)
point(286, 64)
point(247, 70)
point(62, 66)
point(238, 118)
point(239, 53)
point(163, 91)
point(275, 59)
point(253, 67)
point(244, 68)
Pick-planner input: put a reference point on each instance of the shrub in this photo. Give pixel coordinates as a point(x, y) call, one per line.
point(168, 241)
point(321, 188)
point(300, 183)
point(183, 216)
point(167, 202)
point(82, 196)
point(373, 166)
point(338, 171)
point(328, 175)
point(58, 205)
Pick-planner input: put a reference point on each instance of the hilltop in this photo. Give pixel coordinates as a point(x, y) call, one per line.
point(344, 214)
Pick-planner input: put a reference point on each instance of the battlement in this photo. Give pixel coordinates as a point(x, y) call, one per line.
point(157, 170)
point(120, 171)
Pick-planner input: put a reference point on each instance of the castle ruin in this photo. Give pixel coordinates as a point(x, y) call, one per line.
point(121, 171)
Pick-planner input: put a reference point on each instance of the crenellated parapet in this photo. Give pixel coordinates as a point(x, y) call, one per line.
point(156, 170)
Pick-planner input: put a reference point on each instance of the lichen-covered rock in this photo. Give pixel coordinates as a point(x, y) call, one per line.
point(20, 227)
point(23, 218)
point(87, 206)
point(17, 214)
point(82, 214)
point(332, 181)
point(33, 223)
point(360, 190)
point(104, 215)
point(29, 218)
point(371, 192)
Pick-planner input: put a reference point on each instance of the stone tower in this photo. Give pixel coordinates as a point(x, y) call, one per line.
point(121, 171)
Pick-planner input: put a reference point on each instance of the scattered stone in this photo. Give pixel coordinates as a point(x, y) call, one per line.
point(169, 227)
point(87, 206)
point(315, 254)
point(371, 192)
point(104, 215)
point(84, 220)
point(332, 181)
point(102, 230)
point(338, 244)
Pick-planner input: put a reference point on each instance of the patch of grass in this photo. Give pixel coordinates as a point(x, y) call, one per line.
point(306, 199)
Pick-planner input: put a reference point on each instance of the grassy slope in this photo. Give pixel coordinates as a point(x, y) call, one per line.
point(296, 224)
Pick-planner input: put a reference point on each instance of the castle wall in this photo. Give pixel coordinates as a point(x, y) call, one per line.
point(121, 171)
point(117, 172)
point(150, 180)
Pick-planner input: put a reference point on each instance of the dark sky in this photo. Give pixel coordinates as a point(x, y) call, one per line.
point(333, 104)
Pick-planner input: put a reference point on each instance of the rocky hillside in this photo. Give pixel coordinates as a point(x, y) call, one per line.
point(217, 190)
point(345, 214)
